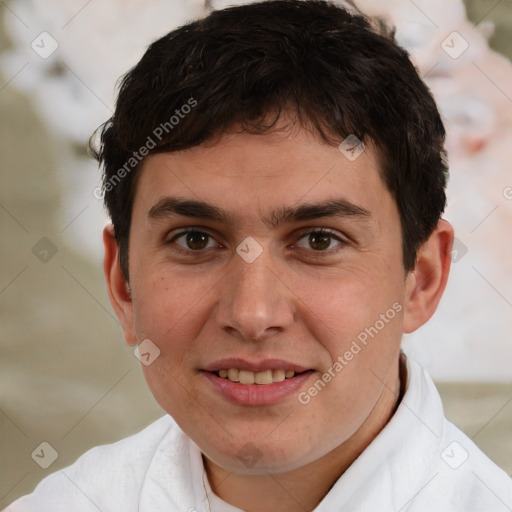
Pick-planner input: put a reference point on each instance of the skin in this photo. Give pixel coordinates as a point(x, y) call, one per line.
point(299, 301)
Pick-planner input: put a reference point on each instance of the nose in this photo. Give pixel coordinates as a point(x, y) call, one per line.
point(255, 304)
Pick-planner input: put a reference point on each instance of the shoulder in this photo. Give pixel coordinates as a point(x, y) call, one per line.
point(106, 477)
point(467, 477)
point(461, 476)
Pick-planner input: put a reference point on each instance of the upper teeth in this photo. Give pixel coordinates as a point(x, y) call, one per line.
point(247, 377)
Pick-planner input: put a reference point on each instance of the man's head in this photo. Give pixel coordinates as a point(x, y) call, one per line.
point(258, 247)
point(247, 65)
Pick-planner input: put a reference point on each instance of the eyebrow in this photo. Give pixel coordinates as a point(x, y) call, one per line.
point(173, 206)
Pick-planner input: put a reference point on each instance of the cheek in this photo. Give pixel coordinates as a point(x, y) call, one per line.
point(358, 320)
point(167, 305)
point(337, 308)
point(170, 311)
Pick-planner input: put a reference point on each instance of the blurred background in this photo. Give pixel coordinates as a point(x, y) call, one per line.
point(67, 377)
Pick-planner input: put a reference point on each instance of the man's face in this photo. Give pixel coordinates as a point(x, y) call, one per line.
point(319, 281)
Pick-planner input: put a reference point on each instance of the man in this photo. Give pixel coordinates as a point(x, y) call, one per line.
point(275, 177)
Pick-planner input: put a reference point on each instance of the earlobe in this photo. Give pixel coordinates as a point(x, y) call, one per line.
point(117, 286)
point(426, 283)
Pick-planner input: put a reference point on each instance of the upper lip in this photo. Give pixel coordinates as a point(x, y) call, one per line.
point(254, 366)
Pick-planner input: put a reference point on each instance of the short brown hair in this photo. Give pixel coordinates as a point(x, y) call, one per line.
point(338, 73)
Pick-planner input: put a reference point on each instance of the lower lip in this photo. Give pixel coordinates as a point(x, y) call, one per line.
point(257, 394)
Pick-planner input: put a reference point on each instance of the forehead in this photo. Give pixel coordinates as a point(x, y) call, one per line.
point(262, 168)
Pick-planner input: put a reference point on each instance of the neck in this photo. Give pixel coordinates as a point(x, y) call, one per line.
point(302, 489)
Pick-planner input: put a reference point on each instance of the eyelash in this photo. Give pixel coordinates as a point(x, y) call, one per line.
point(321, 231)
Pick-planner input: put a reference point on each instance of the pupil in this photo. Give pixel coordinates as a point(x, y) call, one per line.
point(197, 240)
point(319, 241)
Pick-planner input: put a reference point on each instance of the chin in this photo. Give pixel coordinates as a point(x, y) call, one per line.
point(248, 458)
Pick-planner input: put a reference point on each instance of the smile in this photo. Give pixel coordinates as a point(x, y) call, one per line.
point(264, 383)
point(262, 378)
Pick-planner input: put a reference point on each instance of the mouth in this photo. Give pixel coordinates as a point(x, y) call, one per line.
point(261, 378)
point(256, 384)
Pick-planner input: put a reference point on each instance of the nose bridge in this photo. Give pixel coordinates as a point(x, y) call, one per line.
point(254, 282)
point(253, 302)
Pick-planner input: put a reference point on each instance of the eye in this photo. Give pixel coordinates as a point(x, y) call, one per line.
point(319, 240)
point(194, 240)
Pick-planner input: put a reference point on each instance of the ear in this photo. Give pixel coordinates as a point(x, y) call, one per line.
point(118, 288)
point(425, 284)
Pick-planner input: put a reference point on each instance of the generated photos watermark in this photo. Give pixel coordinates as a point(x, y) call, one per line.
point(151, 142)
point(352, 147)
point(146, 352)
point(343, 360)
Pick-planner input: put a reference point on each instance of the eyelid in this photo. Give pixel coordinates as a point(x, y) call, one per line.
point(328, 231)
point(174, 234)
point(342, 239)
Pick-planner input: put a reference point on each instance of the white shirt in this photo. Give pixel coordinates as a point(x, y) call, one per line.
point(419, 462)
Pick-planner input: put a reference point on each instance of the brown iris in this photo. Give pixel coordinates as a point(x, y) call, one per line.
point(319, 241)
point(196, 240)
